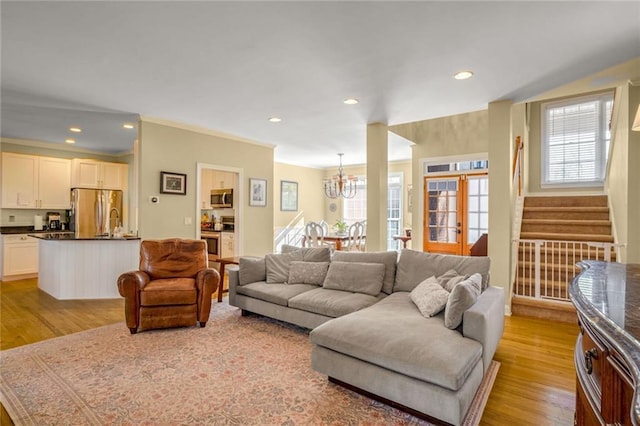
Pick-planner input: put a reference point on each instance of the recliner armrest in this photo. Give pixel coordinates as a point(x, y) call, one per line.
point(129, 286)
point(484, 322)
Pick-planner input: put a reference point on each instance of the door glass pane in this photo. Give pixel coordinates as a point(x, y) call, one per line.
point(443, 210)
point(478, 208)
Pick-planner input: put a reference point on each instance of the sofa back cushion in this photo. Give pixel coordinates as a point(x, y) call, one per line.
point(173, 258)
point(307, 272)
point(251, 270)
point(309, 254)
point(278, 266)
point(416, 266)
point(388, 258)
point(355, 277)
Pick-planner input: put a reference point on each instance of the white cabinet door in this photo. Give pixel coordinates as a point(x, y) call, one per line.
point(88, 173)
point(20, 255)
point(19, 181)
point(54, 183)
point(206, 185)
point(227, 244)
point(114, 176)
point(33, 182)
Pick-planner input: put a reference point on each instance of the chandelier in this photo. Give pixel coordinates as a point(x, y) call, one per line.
point(340, 185)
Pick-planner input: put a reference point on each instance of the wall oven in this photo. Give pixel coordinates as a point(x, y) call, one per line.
point(213, 244)
point(222, 198)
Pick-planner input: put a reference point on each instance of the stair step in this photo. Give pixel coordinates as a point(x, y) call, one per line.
point(573, 213)
point(565, 237)
point(572, 201)
point(587, 227)
point(545, 309)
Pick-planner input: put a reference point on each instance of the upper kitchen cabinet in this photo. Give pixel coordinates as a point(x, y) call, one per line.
point(223, 180)
point(98, 174)
point(206, 185)
point(33, 182)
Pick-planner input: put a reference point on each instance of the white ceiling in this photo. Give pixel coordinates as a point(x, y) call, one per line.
point(229, 66)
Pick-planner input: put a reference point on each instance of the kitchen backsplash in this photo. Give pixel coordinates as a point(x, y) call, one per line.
point(23, 217)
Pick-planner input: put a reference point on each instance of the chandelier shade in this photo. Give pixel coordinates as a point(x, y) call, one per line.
point(340, 185)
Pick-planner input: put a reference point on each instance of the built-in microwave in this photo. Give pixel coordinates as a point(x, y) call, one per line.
point(222, 198)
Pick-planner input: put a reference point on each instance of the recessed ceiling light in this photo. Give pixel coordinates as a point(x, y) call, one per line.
point(351, 101)
point(463, 75)
point(75, 129)
point(70, 140)
point(128, 126)
point(275, 119)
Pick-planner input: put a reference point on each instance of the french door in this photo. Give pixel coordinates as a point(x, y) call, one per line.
point(456, 212)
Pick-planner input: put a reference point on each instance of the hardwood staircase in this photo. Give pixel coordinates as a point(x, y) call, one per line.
point(565, 224)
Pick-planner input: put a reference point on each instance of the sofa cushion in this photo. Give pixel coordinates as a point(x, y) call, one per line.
point(450, 278)
point(251, 269)
point(169, 291)
point(429, 297)
point(416, 266)
point(309, 254)
point(463, 296)
point(389, 258)
point(332, 303)
point(356, 277)
point(274, 293)
point(316, 254)
point(394, 335)
point(307, 272)
point(278, 266)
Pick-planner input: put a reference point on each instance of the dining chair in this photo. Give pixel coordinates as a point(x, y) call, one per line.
point(357, 237)
point(314, 234)
point(325, 227)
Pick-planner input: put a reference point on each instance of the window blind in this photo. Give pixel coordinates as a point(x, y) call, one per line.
point(576, 138)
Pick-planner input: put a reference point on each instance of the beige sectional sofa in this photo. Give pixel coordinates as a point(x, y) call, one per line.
point(367, 329)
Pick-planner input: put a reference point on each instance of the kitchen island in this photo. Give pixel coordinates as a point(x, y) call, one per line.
point(71, 267)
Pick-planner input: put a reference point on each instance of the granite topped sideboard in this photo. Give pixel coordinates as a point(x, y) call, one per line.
point(607, 356)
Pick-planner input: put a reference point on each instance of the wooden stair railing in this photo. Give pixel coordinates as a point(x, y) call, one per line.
point(517, 166)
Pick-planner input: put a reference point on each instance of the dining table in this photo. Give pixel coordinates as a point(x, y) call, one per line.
point(339, 240)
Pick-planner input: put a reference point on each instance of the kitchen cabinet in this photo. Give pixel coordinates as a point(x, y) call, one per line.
point(227, 244)
point(33, 182)
point(223, 180)
point(19, 256)
point(206, 184)
point(88, 173)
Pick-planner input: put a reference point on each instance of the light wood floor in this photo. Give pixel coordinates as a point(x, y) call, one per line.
point(535, 383)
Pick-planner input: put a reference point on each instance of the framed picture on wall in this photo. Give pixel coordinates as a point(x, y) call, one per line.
point(257, 192)
point(173, 183)
point(288, 196)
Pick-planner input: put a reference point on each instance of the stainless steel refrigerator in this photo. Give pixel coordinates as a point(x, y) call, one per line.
point(95, 212)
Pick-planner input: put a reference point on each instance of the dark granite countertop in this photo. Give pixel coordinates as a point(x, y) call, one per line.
point(70, 236)
point(26, 230)
point(607, 295)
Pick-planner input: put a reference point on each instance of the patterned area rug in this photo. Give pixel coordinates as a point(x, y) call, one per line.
point(236, 371)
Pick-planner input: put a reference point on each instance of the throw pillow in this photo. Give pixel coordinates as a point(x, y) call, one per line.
point(429, 297)
point(278, 266)
point(449, 279)
point(462, 297)
point(251, 269)
point(307, 272)
point(356, 277)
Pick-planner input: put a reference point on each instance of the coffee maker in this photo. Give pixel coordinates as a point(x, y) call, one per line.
point(53, 221)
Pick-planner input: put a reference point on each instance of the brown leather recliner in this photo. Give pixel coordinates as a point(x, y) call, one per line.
point(173, 287)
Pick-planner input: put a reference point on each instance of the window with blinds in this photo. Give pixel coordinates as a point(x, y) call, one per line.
point(575, 140)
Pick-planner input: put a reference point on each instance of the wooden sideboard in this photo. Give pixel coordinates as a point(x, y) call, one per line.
point(607, 353)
